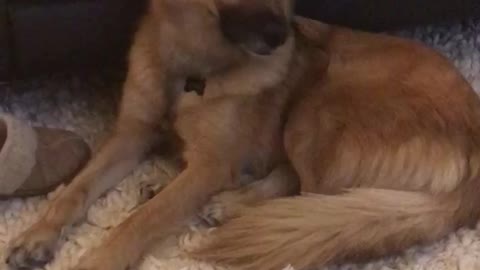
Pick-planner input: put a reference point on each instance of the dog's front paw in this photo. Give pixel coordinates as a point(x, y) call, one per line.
point(92, 265)
point(149, 189)
point(92, 261)
point(33, 249)
point(111, 255)
point(95, 263)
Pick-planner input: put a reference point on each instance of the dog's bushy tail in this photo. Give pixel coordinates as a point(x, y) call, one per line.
point(314, 230)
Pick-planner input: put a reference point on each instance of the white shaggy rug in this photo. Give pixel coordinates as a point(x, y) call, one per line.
point(86, 105)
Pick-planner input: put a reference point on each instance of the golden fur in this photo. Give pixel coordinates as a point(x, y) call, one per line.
point(389, 136)
point(383, 130)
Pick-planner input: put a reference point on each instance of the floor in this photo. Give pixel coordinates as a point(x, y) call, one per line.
point(86, 105)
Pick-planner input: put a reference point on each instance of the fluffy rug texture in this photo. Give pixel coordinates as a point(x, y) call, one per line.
point(86, 105)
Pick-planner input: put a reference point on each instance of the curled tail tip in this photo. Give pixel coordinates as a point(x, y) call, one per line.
point(295, 233)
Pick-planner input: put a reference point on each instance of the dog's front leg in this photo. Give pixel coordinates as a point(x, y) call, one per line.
point(119, 156)
point(142, 109)
point(167, 213)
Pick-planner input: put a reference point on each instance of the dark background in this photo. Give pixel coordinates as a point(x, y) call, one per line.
point(44, 36)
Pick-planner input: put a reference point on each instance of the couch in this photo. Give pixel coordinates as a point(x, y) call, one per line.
point(44, 36)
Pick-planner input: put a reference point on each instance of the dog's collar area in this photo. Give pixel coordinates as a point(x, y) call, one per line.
point(195, 85)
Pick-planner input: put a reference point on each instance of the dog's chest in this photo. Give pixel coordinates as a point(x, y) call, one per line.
point(244, 128)
point(194, 97)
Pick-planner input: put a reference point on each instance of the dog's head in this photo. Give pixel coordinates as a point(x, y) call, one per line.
point(259, 26)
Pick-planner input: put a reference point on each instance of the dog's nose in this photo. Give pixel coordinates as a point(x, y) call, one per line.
point(274, 32)
point(259, 31)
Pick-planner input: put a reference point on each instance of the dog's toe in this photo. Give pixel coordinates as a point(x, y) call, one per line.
point(148, 190)
point(223, 207)
point(33, 249)
point(31, 256)
point(213, 214)
point(194, 240)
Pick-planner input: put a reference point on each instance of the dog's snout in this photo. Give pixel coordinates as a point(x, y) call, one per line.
point(259, 31)
point(274, 32)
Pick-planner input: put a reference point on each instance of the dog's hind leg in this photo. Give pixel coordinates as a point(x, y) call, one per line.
point(281, 182)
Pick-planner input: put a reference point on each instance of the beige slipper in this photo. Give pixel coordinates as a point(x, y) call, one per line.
point(35, 160)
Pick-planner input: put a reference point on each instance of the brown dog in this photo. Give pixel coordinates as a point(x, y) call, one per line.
point(390, 136)
point(377, 114)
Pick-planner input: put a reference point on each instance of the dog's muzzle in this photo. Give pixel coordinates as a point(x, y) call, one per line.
point(260, 32)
